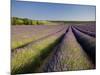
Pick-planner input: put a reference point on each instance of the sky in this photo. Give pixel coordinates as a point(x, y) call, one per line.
point(52, 11)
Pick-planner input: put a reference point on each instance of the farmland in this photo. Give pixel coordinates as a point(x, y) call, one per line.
point(52, 48)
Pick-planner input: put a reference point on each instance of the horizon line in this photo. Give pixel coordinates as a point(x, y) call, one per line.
point(53, 20)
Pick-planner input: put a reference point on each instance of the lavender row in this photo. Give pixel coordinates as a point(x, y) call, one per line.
point(91, 27)
point(68, 55)
point(93, 34)
point(30, 30)
point(87, 42)
point(24, 29)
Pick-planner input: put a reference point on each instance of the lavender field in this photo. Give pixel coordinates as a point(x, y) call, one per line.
point(53, 48)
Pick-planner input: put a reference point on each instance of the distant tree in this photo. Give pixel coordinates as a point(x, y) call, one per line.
point(29, 22)
point(19, 22)
point(25, 21)
point(13, 20)
point(34, 22)
point(16, 21)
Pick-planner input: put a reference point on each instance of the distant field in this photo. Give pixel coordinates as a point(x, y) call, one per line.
point(64, 46)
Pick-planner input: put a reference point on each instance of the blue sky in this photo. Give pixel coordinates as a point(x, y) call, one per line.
point(52, 11)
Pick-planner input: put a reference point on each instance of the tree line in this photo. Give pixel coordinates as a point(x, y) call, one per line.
point(26, 21)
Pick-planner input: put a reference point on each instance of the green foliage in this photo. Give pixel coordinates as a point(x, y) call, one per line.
point(16, 21)
point(25, 21)
point(34, 22)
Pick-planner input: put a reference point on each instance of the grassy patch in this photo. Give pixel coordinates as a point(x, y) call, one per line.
point(28, 59)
